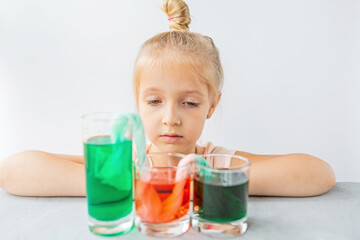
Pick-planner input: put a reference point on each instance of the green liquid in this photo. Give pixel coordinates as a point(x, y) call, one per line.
point(220, 203)
point(108, 178)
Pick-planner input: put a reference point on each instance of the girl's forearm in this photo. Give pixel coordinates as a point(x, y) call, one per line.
point(293, 175)
point(35, 173)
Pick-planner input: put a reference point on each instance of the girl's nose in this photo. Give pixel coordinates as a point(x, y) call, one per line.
point(171, 116)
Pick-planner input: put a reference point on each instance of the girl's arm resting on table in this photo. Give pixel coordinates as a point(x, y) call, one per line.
point(35, 173)
point(292, 175)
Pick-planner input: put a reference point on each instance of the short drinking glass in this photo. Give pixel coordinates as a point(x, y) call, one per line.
point(162, 195)
point(220, 196)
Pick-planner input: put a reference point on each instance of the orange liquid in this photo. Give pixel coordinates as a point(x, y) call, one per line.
point(161, 199)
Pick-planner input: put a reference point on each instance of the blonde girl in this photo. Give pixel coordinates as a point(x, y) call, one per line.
point(178, 79)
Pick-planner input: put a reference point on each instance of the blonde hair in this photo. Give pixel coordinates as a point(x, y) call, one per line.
point(196, 52)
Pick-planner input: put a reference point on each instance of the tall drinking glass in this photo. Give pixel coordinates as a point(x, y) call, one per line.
point(162, 195)
point(108, 165)
point(220, 196)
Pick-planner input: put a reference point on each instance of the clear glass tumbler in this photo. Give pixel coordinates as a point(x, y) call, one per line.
point(220, 196)
point(109, 171)
point(162, 195)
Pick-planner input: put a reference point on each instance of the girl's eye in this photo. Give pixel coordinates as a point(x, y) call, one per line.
point(191, 104)
point(153, 102)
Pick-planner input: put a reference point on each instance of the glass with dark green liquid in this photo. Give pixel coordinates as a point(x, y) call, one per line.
point(108, 166)
point(220, 196)
point(220, 203)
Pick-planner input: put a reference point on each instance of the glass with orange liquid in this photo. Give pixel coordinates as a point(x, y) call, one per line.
point(162, 195)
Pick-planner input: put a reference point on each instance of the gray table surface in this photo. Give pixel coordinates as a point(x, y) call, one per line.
point(334, 215)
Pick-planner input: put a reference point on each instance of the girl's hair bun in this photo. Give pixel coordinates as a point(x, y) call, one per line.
point(178, 14)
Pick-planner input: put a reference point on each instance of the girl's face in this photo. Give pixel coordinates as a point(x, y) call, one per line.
point(173, 107)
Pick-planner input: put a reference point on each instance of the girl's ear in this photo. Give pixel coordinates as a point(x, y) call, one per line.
point(214, 105)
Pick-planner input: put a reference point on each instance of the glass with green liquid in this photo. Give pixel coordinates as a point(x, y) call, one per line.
point(221, 195)
point(107, 139)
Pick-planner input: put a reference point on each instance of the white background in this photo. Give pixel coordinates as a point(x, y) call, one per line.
point(292, 72)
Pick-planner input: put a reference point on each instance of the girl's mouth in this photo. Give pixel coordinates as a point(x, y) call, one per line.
point(171, 138)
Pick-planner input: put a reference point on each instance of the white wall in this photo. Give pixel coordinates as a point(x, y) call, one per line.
point(291, 72)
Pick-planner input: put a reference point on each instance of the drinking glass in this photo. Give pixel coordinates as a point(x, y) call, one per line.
point(162, 195)
point(220, 196)
point(108, 166)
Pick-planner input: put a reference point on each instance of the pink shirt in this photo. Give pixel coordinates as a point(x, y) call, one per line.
point(210, 148)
